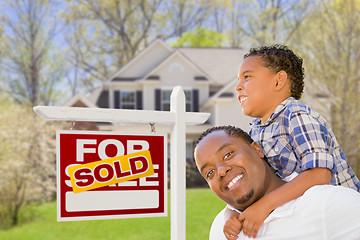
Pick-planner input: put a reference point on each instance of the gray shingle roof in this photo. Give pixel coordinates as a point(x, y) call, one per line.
point(221, 64)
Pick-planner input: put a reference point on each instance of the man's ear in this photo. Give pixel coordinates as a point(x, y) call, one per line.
point(281, 80)
point(258, 149)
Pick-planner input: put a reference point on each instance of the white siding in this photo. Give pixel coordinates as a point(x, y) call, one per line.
point(177, 72)
point(229, 113)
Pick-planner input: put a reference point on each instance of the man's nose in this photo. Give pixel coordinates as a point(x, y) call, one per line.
point(223, 170)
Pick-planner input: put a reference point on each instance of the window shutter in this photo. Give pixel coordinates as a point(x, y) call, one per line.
point(195, 100)
point(103, 100)
point(117, 99)
point(139, 101)
point(158, 99)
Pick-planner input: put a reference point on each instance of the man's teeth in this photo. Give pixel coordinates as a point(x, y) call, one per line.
point(243, 99)
point(234, 181)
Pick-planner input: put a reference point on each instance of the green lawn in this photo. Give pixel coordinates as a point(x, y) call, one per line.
point(201, 207)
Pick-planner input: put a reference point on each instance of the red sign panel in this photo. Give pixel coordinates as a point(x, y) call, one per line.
point(140, 197)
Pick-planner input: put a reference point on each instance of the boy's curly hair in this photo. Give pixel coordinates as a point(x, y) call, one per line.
point(229, 130)
point(280, 58)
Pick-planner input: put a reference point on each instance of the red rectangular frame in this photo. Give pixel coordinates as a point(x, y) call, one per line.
point(66, 155)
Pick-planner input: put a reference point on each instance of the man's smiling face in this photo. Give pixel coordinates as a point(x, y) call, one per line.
point(234, 169)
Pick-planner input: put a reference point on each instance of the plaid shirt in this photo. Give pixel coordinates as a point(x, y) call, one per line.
point(296, 138)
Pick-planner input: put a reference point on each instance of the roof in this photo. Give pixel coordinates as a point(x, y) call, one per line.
point(218, 64)
point(80, 101)
point(228, 90)
point(221, 64)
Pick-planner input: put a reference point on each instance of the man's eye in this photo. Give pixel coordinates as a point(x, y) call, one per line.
point(209, 173)
point(246, 77)
point(227, 155)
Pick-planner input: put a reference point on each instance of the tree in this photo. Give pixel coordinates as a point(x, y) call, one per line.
point(259, 22)
point(33, 70)
point(27, 171)
point(179, 16)
point(331, 47)
point(104, 35)
point(201, 37)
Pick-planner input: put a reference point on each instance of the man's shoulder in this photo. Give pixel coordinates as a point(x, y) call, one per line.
point(320, 203)
point(216, 230)
point(329, 197)
point(340, 210)
point(331, 192)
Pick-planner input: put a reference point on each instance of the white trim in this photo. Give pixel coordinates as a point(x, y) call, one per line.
point(111, 98)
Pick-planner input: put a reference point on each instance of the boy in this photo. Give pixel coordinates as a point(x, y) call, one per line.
point(294, 137)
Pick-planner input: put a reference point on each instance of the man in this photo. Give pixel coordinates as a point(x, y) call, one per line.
point(235, 169)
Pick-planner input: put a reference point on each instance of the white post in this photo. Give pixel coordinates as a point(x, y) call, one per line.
point(178, 166)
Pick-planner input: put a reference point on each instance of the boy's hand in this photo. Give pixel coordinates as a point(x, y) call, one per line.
point(253, 217)
point(232, 228)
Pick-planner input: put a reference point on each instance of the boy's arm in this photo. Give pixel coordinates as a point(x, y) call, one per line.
point(255, 215)
point(232, 226)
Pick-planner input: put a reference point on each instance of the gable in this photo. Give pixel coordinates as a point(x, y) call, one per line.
point(221, 64)
point(144, 62)
point(79, 101)
point(178, 70)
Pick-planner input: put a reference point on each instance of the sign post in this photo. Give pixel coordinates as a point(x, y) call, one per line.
point(178, 167)
point(176, 117)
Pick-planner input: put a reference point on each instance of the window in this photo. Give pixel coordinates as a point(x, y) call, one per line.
point(127, 100)
point(162, 100)
point(165, 100)
point(188, 99)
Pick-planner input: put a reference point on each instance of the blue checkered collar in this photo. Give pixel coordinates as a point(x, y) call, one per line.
point(279, 109)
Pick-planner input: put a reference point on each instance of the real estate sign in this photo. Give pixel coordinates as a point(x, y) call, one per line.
point(106, 175)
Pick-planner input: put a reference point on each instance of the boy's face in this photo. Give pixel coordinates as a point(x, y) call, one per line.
point(255, 88)
point(233, 169)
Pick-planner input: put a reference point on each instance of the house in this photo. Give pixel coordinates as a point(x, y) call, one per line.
point(208, 77)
